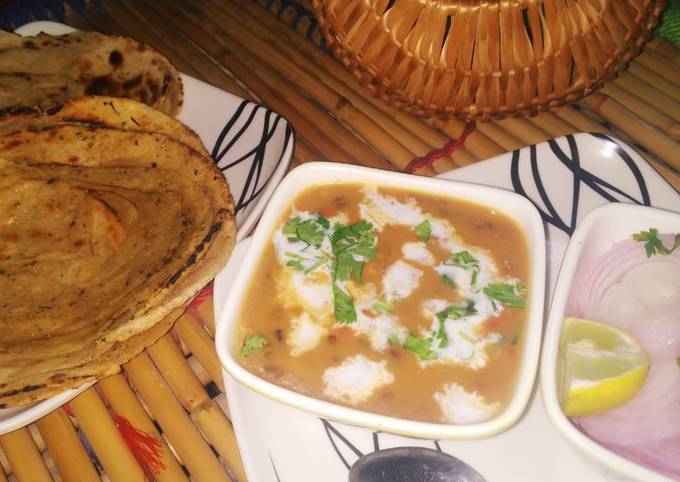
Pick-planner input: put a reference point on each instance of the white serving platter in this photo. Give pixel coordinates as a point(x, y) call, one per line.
point(252, 146)
point(565, 178)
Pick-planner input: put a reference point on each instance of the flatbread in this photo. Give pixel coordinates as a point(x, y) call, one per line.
point(46, 68)
point(104, 234)
point(99, 111)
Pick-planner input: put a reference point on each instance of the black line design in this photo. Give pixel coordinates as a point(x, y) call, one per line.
point(330, 428)
point(255, 156)
point(276, 473)
point(572, 161)
point(376, 442)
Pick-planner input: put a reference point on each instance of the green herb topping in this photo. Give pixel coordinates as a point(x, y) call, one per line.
point(252, 343)
point(343, 306)
point(653, 244)
point(422, 347)
point(464, 260)
point(508, 294)
point(312, 231)
point(381, 307)
point(449, 281)
point(423, 230)
point(456, 312)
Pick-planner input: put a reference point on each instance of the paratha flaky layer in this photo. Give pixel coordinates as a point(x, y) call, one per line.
point(104, 234)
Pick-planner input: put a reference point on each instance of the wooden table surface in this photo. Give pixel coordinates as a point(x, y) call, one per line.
point(170, 397)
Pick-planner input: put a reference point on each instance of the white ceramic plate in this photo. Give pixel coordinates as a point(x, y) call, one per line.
point(252, 145)
point(565, 178)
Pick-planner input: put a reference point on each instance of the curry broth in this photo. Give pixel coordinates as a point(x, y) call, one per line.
point(411, 394)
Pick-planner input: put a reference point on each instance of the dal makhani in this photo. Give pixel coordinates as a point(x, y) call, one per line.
point(390, 301)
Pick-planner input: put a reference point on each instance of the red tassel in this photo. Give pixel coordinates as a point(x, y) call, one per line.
point(448, 149)
point(67, 409)
point(201, 297)
point(146, 448)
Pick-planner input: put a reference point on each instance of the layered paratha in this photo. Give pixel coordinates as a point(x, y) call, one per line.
point(105, 234)
point(46, 68)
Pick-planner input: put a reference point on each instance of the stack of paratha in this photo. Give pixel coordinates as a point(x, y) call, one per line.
point(42, 69)
point(112, 216)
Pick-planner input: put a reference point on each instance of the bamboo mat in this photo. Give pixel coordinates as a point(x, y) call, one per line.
point(170, 398)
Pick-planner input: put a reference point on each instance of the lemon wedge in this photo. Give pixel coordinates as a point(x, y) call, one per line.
point(598, 368)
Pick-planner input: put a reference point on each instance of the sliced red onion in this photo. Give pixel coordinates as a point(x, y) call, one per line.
point(640, 295)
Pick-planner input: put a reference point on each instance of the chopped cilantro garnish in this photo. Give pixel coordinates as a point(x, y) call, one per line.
point(311, 231)
point(252, 343)
point(653, 244)
point(381, 307)
point(464, 260)
point(423, 230)
point(455, 312)
point(441, 334)
point(353, 245)
point(394, 339)
point(467, 337)
point(295, 264)
point(449, 281)
point(420, 346)
point(515, 336)
point(343, 306)
point(508, 294)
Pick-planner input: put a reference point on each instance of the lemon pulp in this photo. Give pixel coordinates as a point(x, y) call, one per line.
point(599, 367)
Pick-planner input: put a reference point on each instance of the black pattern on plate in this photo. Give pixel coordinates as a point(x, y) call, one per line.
point(572, 161)
point(265, 126)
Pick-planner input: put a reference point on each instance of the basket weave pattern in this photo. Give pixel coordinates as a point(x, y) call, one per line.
point(478, 59)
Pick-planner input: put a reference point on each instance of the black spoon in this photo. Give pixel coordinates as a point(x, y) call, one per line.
point(412, 464)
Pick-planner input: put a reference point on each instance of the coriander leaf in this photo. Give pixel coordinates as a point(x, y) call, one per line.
point(343, 306)
point(310, 232)
point(320, 261)
point(441, 334)
point(455, 312)
point(449, 281)
point(464, 260)
point(352, 246)
point(467, 337)
point(295, 264)
point(381, 307)
point(394, 339)
point(420, 346)
point(653, 244)
point(508, 294)
point(424, 230)
point(252, 343)
point(290, 228)
point(346, 265)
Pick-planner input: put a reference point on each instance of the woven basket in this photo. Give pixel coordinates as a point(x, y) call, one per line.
point(478, 59)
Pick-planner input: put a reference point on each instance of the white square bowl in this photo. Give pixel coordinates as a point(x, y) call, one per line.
point(512, 205)
point(595, 235)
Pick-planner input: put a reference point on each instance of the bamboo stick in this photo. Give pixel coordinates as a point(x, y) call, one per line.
point(579, 120)
point(523, 130)
point(504, 138)
point(552, 124)
point(112, 451)
point(657, 64)
point(207, 314)
point(177, 426)
point(651, 138)
point(303, 153)
point(664, 48)
point(340, 106)
point(63, 443)
point(24, 458)
point(643, 110)
point(650, 94)
point(123, 402)
point(201, 346)
point(277, 92)
point(653, 79)
point(3, 476)
point(216, 428)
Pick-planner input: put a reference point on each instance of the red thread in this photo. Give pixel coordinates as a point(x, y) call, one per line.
point(201, 297)
point(68, 410)
point(448, 149)
point(146, 448)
